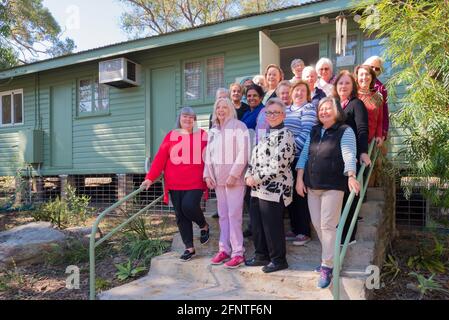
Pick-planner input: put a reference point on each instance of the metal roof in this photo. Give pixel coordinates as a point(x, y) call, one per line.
point(305, 9)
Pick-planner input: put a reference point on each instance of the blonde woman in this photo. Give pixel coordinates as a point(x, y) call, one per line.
point(226, 160)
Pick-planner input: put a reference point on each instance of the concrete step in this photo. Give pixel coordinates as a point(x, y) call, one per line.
point(377, 194)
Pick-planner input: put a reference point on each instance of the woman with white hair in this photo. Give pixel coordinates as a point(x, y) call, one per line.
point(376, 64)
point(324, 68)
point(310, 76)
point(180, 155)
point(297, 67)
point(226, 159)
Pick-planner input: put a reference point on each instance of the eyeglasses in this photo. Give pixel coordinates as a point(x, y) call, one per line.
point(274, 113)
point(324, 69)
point(377, 69)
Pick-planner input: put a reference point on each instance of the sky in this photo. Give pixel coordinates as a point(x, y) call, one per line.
point(90, 23)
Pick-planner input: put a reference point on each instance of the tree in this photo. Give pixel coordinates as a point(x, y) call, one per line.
point(28, 29)
point(150, 17)
point(416, 37)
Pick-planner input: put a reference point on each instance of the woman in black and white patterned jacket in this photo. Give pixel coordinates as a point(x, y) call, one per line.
point(271, 180)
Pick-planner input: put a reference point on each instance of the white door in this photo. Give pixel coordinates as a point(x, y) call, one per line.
point(268, 52)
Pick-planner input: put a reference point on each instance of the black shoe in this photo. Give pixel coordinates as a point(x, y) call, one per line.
point(247, 233)
point(204, 238)
point(271, 267)
point(187, 255)
point(215, 215)
point(256, 262)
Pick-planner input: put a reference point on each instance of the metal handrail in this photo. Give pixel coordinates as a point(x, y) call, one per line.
point(93, 244)
point(340, 251)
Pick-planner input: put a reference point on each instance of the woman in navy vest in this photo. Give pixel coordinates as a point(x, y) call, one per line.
point(325, 170)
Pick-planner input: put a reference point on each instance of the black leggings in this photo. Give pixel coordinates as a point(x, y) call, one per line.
point(188, 210)
point(298, 210)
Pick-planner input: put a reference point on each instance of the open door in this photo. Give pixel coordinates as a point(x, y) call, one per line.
point(268, 52)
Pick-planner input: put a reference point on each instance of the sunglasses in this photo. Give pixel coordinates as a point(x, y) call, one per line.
point(377, 69)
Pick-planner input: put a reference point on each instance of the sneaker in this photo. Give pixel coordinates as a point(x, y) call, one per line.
point(187, 255)
point(220, 258)
point(290, 236)
point(235, 262)
point(317, 269)
point(301, 240)
point(204, 238)
point(325, 277)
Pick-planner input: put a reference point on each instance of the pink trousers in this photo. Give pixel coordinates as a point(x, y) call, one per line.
point(230, 209)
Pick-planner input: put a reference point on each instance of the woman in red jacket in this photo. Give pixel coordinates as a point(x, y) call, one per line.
point(180, 157)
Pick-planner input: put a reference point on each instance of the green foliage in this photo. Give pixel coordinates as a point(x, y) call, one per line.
point(27, 28)
point(416, 39)
point(431, 260)
point(127, 270)
point(101, 284)
point(144, 250)
point(391, 268)
point(63, 213)
point(149, 17)
point(427, 285)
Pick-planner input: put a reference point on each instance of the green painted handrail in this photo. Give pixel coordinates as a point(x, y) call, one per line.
point(93, 244)
point(340, 251)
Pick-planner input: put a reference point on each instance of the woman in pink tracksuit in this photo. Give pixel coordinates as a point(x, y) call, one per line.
point(226, 159)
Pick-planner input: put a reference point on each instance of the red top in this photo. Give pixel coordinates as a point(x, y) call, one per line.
point(374, 105)
point(180, 157)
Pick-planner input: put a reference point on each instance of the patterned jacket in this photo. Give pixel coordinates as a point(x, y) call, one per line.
point(270, 166)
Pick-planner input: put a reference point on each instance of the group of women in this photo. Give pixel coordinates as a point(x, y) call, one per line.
point(293, 144)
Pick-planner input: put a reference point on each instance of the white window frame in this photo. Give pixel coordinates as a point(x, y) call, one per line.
point(204, 98)
point(12, 124)
point(93, 81)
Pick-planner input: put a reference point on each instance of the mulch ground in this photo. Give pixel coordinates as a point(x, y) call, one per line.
point(47, 281)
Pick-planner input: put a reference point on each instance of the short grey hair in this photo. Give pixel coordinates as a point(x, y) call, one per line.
point(233, 113)
point(187, 110)
point(220, 91)
point(277, 101)
point(374, 58)
point(324, 61)
point(308, 69)
point(295, 62)
point(340, 114)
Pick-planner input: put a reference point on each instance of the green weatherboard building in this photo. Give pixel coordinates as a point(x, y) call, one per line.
point(58, 115)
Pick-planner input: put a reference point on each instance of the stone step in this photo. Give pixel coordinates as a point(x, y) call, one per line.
point(358, 255)
point(197, 279)
point(377, 194)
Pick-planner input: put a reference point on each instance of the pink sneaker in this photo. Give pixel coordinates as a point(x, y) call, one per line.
point(301, 240)
point(220, 258)
point(235, 262)
point(290, 236)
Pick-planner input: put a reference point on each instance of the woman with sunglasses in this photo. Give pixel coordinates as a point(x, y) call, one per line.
point(324, 68)
point(376, 63)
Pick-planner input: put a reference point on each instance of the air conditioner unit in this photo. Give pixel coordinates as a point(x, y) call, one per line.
point(120, 73)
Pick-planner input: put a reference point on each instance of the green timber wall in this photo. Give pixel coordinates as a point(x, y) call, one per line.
point(117, 142)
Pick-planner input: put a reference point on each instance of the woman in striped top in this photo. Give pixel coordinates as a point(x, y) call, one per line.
point(326, 169)
point(300, 118)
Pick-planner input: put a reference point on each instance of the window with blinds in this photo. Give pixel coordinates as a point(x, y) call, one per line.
point(214, 75)
point(202, 78)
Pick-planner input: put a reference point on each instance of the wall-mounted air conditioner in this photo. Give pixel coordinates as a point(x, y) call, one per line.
point(120, 73)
